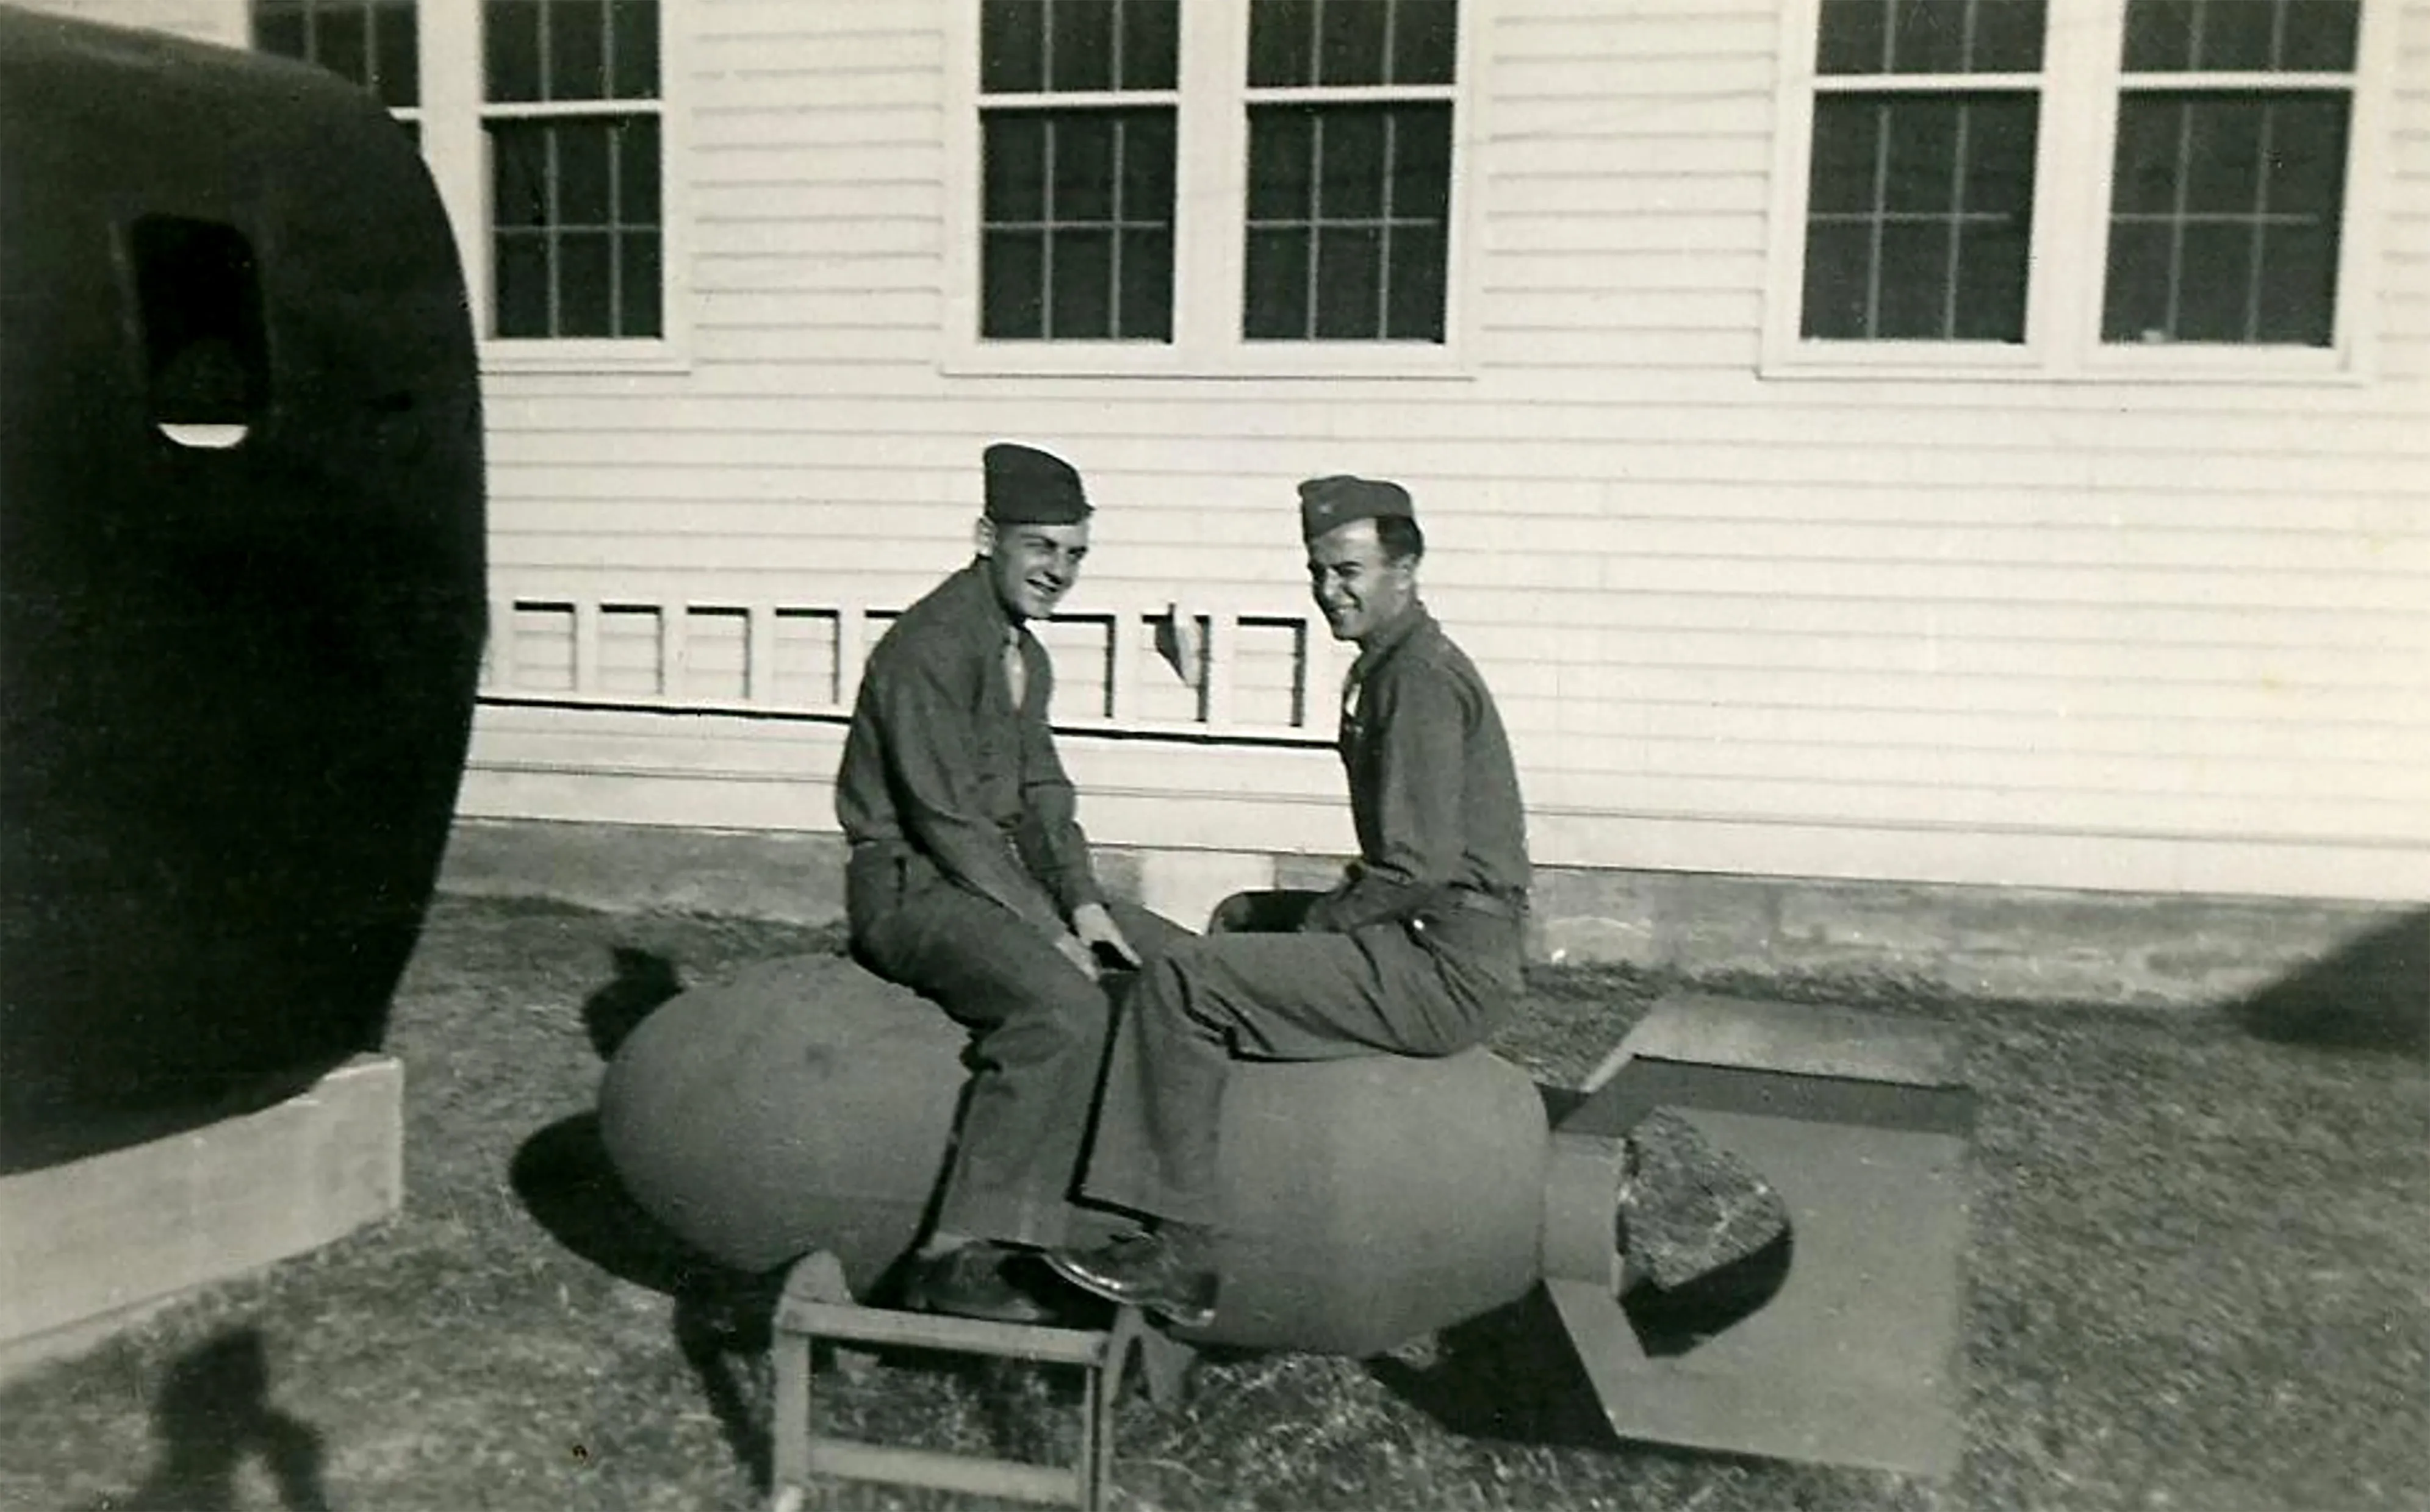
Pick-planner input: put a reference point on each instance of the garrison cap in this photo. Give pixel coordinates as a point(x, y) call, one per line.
point(1027, 487)
point(1326, 503)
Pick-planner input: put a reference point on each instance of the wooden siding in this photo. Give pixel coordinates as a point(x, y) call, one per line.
point(2160, 634)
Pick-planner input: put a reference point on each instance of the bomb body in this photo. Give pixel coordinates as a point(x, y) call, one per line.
point(805, 1104)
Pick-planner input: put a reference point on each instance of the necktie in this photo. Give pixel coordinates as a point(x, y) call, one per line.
point(1016, 672)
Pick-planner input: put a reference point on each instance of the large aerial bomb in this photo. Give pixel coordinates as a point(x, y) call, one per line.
point(805, 1107)
point(241, 599)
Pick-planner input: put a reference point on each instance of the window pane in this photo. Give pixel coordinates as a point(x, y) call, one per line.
point(1275, 304)
point(1921, 166)
point(1349, 283)
point(586, 290)
point(1282, 163)
point(1350, 164)
point(1080, 45)
point(520, 266)
point(1350, 41)
point(1146, 294)
point(511, 45)
point(279, 28)
point(1013, 166)
point(633, 49)
point(1151, 44)
point(1282, 43)
point(1013, 46)
point(1991, 274)
point(1837, 304)
point(637, 173)
point(1082, 167)
point(2211, 187)
point(2319, 35)
point(1930, 37)
point(1012, 286)
point(1919, 211)
point(341, 41)
point(2307, 154)
point(584, 196)
point(2222, 160)
point(1851, 136)
point(1425, 41)
point(1413, 305)
point(2215, 273)
point(1147, 169)
point(1081, 293)
point(519, 174)
point(2007, 37)
point(577, 49)
point(2256, 36)
point(639, 280)
point(2135, 294)
point(1913, 299)
point(396, 54)
point(2299, 284)
point(1421, 170)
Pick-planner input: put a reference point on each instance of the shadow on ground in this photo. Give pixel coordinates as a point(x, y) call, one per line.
point(1512, 1373)
point(2371, 995)
point(211, 1415)
point(564, 1180)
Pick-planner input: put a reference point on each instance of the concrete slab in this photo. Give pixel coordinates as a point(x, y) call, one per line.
point(95, 1243)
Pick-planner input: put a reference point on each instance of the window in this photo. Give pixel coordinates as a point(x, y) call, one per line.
point(571, 108)
point(1921, 188)
point(2228, 195)
point(2104, 185)
point(542, 121)
point(374, 43)
point(1349, 205)
point(1209, 187)
point(1076, 169)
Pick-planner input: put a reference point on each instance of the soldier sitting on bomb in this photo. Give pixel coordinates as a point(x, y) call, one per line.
point(1416, 952)
point(969, 881)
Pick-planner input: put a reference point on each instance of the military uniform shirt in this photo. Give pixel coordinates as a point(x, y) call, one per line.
point(1434, 795)
point(938, 759)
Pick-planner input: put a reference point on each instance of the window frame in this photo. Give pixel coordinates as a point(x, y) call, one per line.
point(456, 146)
point(1211, 208)
point(2081, 81)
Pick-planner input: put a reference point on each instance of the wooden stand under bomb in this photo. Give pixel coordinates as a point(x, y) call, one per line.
point(816, 1305)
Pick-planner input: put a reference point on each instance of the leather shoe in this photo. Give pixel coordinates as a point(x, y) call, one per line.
point(972, 1281)
point(1167, 1273)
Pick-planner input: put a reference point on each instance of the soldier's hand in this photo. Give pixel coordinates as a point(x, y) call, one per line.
point(1076, 951)
point(1095, 927)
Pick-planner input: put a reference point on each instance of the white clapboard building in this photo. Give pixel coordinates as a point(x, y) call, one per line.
point(1977, 441)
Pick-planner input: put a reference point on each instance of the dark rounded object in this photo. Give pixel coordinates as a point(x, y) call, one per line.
point(241, 585)
point(805, 1104)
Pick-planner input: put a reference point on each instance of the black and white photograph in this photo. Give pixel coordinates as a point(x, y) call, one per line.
point(1215, 755)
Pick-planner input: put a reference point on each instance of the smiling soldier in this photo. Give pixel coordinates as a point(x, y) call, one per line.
point(1416, 952)
point(969, 881)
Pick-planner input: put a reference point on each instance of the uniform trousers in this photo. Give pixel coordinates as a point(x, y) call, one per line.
point(1257, 990)
point(1037, 1034)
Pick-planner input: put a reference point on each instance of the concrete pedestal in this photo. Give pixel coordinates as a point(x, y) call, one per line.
point(89, 1246)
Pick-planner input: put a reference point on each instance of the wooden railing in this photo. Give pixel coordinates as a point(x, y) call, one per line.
point(1264, 675)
